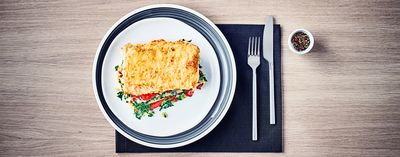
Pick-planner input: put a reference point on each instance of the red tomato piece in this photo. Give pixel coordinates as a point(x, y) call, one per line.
point(134, 97)
point(156, 104)
point(189, 93)
point(199, 86)
point(147, 96)
point(172, 97)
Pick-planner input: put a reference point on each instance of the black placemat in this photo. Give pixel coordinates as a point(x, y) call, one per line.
point(234, 132)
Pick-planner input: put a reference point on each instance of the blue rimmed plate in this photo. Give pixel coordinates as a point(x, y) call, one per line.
point(190, 119)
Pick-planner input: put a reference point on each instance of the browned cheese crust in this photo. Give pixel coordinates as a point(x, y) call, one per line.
point(159, 66)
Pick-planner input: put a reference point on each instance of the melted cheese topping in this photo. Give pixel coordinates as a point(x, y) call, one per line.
point(159, 66)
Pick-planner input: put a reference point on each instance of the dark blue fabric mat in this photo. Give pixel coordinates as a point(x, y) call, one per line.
point(233, 134)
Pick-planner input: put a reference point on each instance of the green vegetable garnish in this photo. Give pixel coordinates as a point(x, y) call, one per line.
point(166, 104)
point(164, 114)
point(186, 40)
point(120, 94)
point(202, 77)
point(162, 100)
point(150, 113)
point(142, 108)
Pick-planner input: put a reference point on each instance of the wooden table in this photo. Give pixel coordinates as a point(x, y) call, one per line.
point(342, 99)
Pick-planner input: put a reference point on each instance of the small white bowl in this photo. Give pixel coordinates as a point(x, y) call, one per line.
point(308, 48)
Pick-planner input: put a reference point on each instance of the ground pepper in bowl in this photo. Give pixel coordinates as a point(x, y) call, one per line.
point(300, 41)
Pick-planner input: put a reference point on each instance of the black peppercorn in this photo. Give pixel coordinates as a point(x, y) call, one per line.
point(300, 41)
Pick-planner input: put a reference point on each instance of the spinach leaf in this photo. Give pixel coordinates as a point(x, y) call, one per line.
point(202, 77)
point(120, 94)
point(116, 67)
point(166, 104)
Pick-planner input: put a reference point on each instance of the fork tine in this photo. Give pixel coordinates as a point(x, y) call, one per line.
point(252, 46)
point(248, 52)
point(255, 45)
point(258, 47)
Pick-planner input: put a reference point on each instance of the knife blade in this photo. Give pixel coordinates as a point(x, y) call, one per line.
point(268, 53)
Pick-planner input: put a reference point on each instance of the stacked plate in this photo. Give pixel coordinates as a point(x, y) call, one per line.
point(189, 119)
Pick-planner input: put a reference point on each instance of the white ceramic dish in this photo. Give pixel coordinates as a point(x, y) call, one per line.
point(308, 48)
point(188, 120)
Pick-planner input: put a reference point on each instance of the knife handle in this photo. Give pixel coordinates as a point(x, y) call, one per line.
point(271, 94)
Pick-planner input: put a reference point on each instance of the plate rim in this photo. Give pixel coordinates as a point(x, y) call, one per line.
point(212, 126)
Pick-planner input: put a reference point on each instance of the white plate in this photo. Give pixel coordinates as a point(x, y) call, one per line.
point(188, 120)
point(184, 114)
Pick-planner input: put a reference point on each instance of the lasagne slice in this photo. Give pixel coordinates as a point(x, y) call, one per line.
point(159, 66)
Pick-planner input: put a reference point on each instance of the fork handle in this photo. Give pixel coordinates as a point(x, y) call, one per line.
point(254, 106)
point(271, 94)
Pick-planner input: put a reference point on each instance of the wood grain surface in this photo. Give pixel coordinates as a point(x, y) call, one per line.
point(342, 99)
